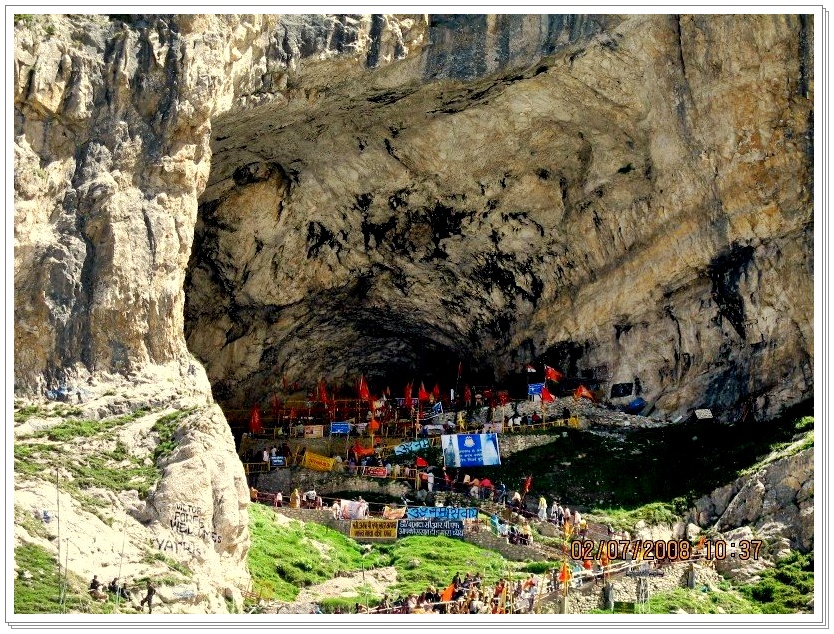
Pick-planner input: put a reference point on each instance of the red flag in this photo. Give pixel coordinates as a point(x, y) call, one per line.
point(276, 405)
point(503, 398)
point(322, 391)
point(364, 394)
point(565, 573)
point(255, 420)
point(528, 481)
point(530, 368)
point(420, 462)
point(408, 394)
point(552, 374)
point(583, 392)
point(460, 368)
point(467, 394)
point(547, 397)
point(422, 394)
point(374, 425)
point(436, 391)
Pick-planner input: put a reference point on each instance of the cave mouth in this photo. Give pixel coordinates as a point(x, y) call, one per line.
point(328, 246)
point(260, 332)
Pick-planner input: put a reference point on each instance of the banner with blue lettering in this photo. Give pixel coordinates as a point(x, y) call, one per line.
point(534, 389)
point(277, 461)
point(441, 512)
point(430, 528)
point(340, 428)
point(411, 447)
point(470, 450)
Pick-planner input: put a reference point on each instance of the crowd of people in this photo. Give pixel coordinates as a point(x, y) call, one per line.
point(468, 595)
point(98, 591)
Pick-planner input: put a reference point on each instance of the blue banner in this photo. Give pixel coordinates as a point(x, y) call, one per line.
point(441, 512)
point(534, 389)
point(430, 528)
point(437, 408)
point(411, 447)
point(277, 461)
point(339, 428)
point(470, 450)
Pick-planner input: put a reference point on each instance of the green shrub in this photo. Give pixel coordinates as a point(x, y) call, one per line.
point(787, 587)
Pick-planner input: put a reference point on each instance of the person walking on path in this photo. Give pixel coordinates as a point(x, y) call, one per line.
point(542, 508)
point(148, 598)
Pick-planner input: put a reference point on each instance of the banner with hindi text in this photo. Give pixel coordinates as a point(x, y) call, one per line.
point(430, 528)
point(373, 529)
point(441, 512)
point(317, 462)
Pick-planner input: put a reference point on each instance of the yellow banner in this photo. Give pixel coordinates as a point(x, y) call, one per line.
point(316, 462)
point(373, 529)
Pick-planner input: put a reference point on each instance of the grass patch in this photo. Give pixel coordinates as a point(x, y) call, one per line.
point(625, 519)
point(283, 558)
point(698, 601)
point(22, 414)
point(25, 413)
point(786, 588)
point(439, 559)
point(173, 564)
point(82, 428)
point(642, 466)
point(166, 427)
point(97, 472)
point(41, 594)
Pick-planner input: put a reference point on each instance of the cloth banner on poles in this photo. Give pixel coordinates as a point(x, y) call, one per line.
point(317, 462)
point(352, 510)
point(373, 529)
point(470, 450)
point(411, 447)
point(442, 512)
point(430, 528)
point(313, 431)
point(534, 389)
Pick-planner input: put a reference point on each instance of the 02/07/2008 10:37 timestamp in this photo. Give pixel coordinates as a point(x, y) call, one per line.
point(675, 549)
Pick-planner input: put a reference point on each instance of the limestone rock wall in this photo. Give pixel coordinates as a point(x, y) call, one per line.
point(775, 503)
point(624, 196)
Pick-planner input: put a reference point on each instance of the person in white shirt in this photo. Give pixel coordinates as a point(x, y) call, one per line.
point(430, 481)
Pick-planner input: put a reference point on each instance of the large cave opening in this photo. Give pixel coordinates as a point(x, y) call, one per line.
point(332, 242)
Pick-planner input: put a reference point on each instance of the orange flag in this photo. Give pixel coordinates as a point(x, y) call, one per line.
point(552, 374)
point(547, 397)
point(583, 392)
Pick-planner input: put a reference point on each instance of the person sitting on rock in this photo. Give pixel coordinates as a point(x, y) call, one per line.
point(95, 589)
point(124, 592)
point(113, 586)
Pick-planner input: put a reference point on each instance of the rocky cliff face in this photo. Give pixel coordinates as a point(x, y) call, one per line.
point(624, 196)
